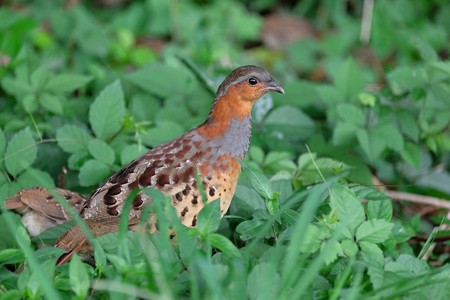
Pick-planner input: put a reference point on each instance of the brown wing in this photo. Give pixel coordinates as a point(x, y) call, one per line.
point(43, 202)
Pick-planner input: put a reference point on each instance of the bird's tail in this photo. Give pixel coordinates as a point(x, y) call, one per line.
point(75, 241)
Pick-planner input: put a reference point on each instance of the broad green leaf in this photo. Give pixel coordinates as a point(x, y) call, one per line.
point(349, 248)
point(161, 80)
point(39, 78)
point(405, 79)
point(11, 256)
point(344, 133)
point(131, 152)
point(223, 244)
point(252, 228)
point(331, 249)
point(349, 78)
point(412, 154)
point(348, 208)
point(312, 240)
point(20, 152)
point(310, 166)
point(379, 209)
point(260, 182)
point(373, 257)
point(263, 281)
point(350, 113)
point(107, 111)
point(62, 83)
point(34, 177)
point(93, 172)
point(101, 151)
point(373, 147)
point(72, 138)
point(408, 124)
point(51, 103)
point(79, 277)
point(374, 231)
point(163, 132)
point(2, 144)
point(16, 87)
point(208, 219)
point(289, 122)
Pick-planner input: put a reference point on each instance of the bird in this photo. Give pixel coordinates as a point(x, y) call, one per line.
point(211, 151)
point(40, 210)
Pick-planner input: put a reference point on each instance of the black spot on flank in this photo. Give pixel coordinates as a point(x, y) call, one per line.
point(133, 185)
point(186, 190)
point(49, 197)
point(178, 196)
point(162, 180)
point(212, 192)
point(184, 211)
point(209, 177)
point(109, 200)
point(195, 200)
point(112, 211)
point(68, 196)
point(194, 221)
point(146, 177)
point(138, 201)
point(114, 190)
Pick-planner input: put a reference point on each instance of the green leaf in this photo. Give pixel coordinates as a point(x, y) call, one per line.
point(79, 277)
point(223, 244)
point(72, 138)
point(349, 247)
point(411, 154)
point(93, 172)
point(39, 78)
point(408, 124)
point(289, 122)
point(379, 209)
point(348, 78)
point(2, 144)
point(208, 219)
point(62, 83)
point(348, 208)
point(405, 79)
point(252, 228)
point(350, 113)
point(374, 231)
point(312, 240)
point(163, 132)
point(344, 133)
point(131, 152)
point(34, 177)
point(259, 181)
point(333, 250)
point(11, 256)
point(51, 103)
point(20, 152)
point(101, 151)
point(107, 111)
point(161, 80)
point(16, 87)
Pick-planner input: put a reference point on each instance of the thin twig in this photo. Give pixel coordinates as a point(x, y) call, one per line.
point(366, 22)
point(421, 199)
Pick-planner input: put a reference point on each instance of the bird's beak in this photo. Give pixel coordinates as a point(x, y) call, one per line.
point(274, 86)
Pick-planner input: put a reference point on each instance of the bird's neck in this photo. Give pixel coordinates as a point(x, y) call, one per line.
point(228, 126)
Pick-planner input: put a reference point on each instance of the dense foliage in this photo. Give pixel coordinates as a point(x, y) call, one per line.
point(90, 87)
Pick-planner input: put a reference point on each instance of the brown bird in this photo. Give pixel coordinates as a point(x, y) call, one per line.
point(212, 149)
point(40, 210)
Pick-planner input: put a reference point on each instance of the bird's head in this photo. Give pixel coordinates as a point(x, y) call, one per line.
point(248, 83)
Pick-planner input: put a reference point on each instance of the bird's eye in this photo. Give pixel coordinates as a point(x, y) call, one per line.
point(252, 81)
